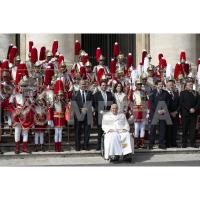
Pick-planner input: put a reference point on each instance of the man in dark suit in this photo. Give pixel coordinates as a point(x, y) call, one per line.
point(157, 96)
point(102, 103)
point(189, 106)
point(82, 106)
point(171, 132)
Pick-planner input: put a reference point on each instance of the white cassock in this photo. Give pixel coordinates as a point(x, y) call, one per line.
point(117, 142)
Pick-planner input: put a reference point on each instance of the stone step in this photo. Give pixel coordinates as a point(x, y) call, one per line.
point(83, 153)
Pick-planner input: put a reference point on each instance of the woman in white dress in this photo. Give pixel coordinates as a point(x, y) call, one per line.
point(121, 98)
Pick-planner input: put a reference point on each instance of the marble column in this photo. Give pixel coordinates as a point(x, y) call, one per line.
point(172, 44)
point(65, 43)
point(5, 41)
point(142, 42)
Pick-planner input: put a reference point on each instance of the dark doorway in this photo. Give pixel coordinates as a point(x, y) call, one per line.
point(17, 39)
point(90, 42)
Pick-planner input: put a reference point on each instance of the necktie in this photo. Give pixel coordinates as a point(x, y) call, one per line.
point(105, 98)
point(172, 95)
point(83, 97)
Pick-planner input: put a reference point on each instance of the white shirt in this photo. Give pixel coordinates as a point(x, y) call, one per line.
point(104, 95)
point(83, 92)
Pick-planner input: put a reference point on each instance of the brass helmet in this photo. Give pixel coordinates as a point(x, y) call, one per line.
point(180, 76)
point(150, 68)
point(144, 76)
point(63, 66)
point(138, 81)
point(49, 53)
point(37, 64)
point(40, 97)
point(60, 92)
point(6, 73)
point(18, 58)
point(120, 72)
point(170, 78)
point(101, 58)
point(88, 64)
point(82, 53)
point(191, 76)
point(23, 82)
point(120, 56)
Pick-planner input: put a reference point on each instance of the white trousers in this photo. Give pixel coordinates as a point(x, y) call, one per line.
point(116, 143)
point(39, 138)
point(19, 131)
point(139, 129)
point(58, 135)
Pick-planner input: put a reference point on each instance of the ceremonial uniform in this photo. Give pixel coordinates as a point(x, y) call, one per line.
point(40, 122)
point(139, 109)
point(101, 71)
point(23, 115)
point(57, 113)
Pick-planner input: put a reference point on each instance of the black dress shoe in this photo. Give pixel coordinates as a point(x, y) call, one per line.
point(114, 158)
point(1, 152)
point(150, 146)
point(162, 146)
point(194, 146)
point(77, 149)
point(184, 145)
point(16, 152)
point(86, 148)
point(127, 158)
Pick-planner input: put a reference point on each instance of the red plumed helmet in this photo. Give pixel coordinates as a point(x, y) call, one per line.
point(54, 47)
point(100, 74)
point(129, 62)
point(98, 53)
point(58, 87)
point(60, 60)
point(5, 65)
point(160, 55)
point(30, 45)
point(163, 63)
point(9, 49)
point(21, 71)
point(13, 53)
point(182, 56)
point(198, 61)
point(112, 66)
point(116, 49)
point(34, 55)
point(77, 48)
point(42, 53)
point(144, 54)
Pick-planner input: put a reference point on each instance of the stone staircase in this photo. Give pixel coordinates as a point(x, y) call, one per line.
point(7, 144)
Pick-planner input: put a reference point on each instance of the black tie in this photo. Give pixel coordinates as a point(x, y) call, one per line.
point(83, 97)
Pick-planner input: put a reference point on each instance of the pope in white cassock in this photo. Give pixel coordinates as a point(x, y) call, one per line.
point(117, 140)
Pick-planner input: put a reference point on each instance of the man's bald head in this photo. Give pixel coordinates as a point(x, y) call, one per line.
point(114, 109)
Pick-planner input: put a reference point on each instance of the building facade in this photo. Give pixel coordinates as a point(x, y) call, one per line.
point(168, 44)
